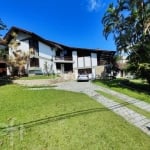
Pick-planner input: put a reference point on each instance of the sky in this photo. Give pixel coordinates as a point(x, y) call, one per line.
point(74, 23)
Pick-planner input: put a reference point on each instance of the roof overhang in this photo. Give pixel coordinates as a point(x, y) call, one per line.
point(104, 54)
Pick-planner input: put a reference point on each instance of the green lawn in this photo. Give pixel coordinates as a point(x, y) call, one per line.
point(128, 105)
point(119, 85)
point(59, 120)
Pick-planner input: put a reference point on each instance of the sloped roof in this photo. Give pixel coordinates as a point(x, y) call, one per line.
point(105, 54)
point(8, 36)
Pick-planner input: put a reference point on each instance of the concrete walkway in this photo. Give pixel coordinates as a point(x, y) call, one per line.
point(141, 104)
point(131, 116)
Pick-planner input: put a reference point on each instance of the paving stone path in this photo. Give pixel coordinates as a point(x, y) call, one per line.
point(131, 116)
point(141, 104)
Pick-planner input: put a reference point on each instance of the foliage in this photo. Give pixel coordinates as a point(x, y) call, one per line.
point(139, 61)
point(18, 58)
point(54, 119)
point(2, 26)
point(3, 52)
point(5, 80)
point(48, 68)
point(129, 22)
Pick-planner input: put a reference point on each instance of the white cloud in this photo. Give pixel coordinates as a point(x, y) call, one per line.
point(94, 5)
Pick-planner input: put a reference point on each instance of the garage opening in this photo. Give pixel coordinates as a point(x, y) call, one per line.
point(3, 69)
point(85, 71)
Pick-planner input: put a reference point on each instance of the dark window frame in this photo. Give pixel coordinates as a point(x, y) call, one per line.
point(34, 44)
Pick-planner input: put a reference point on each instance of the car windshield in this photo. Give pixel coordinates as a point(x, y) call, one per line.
point(34, 71)
point(83, 75)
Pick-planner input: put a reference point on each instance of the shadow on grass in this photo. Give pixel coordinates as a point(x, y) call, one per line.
point(5, 80)
point(46, 120)
point(126, 84)
point(148, 127)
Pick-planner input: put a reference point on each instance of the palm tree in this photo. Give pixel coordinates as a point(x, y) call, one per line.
point(129, 22)
point(2, 42)
point(2, 26)
point(147, 21)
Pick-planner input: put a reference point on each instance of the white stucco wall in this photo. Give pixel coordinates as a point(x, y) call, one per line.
point(45, 51)
point(87, 61)
point(80, 62)
point(46, 57)
point(75, 59)
point(49, 64)
point(75, 71)
point(93, 72)
point(24, 46)
point(94, 59)
point(53, 59)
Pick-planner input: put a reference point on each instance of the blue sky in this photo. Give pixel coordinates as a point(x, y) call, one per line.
point(75, 23)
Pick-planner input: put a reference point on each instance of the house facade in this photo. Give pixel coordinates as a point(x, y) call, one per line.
point(122, 65)
point(3, 52)
point(56, 58)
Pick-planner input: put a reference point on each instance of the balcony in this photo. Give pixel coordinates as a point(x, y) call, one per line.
point(63, 59)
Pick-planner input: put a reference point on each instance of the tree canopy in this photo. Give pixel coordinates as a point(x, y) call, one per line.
point(2, 26)
point(129, 22)
point(18, 59)
point(2, 49)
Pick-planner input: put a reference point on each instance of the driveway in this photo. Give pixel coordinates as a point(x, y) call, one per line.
point(77, 86)
point(129, 115)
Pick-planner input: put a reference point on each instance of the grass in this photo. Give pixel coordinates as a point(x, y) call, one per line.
point(5, 80)
point(141, 81)
point(128, 105)
point(53, 119)
point(117, 85)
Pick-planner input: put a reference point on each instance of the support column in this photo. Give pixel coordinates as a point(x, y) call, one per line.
point(62, 68)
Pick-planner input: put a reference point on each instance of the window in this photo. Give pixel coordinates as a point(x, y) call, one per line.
point(34, 62)
point(33, 44)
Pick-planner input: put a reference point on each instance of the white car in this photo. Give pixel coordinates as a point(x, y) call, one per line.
point(83, 77)
point(35, 71)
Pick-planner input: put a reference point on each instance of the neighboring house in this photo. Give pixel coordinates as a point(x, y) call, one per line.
point(57, 58)
point(122, 65)
point(3, 64)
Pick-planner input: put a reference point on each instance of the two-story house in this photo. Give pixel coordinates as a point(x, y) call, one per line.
point(57, 58)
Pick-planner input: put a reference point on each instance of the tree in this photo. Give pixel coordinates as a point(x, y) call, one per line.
point(2, 26)
point(129, 22)
point(2, 49)
point(3, 53)
point(139, 61)
point(18, 58)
